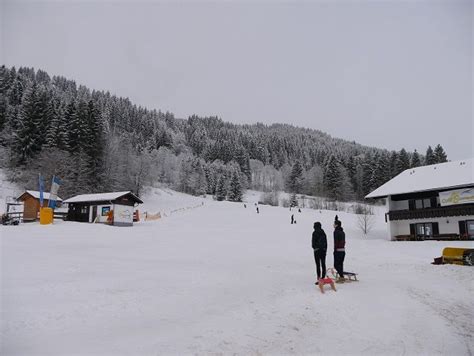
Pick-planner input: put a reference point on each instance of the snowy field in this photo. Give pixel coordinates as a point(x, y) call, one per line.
point(220, 279)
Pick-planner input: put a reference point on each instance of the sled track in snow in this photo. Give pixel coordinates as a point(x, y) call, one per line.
point(458, 315)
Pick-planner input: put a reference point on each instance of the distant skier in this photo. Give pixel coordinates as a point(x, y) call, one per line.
point(258, 211)
point(299, 210)
point(320, 245)
point(292, 219)
point(339, 249)
point(245, 205)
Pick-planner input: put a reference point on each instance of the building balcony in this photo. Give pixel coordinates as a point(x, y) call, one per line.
point(429, 213)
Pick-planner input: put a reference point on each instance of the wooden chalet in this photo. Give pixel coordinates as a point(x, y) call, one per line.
point(430, 202)
point(31, 204)
point(116, 208)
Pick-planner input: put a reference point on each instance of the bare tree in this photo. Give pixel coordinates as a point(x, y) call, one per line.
point(365, 218)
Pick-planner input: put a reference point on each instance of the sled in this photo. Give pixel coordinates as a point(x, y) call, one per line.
point(457, 256)
point(348, 276)
point(326, 281)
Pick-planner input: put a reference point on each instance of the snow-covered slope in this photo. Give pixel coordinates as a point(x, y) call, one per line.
point(219, 278)
point(8, 191)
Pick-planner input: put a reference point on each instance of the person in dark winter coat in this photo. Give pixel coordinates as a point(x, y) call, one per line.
point(320, 246)
point(292, 219)
point(339, 249)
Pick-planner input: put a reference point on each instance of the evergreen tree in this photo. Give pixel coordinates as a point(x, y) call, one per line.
point(415, 160)
point(73, 128)
point(367, 175)
point(430, 157)
point(332, 178)
point(440, 155)
point(235, 188)
point(380, 173)
point(27, 137)
point(393, 164)
point(94, 144)
point(296, 178)
point(403, 161)
point(221, 189)
point(4, 83)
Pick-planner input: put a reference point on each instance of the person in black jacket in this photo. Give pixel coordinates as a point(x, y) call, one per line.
point(339, 249)
point(320, 246)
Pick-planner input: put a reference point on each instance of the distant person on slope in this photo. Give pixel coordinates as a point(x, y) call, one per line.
point(292, 219)
point(339, 249)
point(320, 246)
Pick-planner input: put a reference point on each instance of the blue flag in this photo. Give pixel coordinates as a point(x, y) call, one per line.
point(41, 188)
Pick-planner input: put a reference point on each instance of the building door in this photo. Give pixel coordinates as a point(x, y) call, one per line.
point(94, 212)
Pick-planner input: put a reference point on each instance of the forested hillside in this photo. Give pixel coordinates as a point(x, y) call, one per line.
point(96, 142)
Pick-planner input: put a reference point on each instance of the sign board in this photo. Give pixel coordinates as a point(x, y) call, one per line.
point(458, 196)
point(123, 214)
point(105, 210)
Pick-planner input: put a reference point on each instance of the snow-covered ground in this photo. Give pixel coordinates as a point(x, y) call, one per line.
point(218, 278)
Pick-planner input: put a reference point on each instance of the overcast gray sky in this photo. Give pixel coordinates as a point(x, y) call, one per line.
point(389, 74)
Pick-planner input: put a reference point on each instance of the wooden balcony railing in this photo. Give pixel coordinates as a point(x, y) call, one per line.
point(431, 212)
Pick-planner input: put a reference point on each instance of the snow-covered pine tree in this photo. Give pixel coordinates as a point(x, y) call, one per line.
point(367, 175)
point(440, 155)
point(94, 144)
point(415, 160)
point(27, 137)
point(430, 157)
point(403, 161)
point(4, 84)
point(198, 183)
point(73, 127)
point(221, 188)
point(393, 164)
point(295, 179)
point(235, 187)
point(333, 178)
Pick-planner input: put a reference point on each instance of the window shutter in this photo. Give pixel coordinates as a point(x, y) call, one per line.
point(412, 230)
point(435, 229)
point(411, 204)
point(462, 228)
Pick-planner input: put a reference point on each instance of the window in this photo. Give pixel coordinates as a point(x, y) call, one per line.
point(427, 229)
point(426, 203)
point(415, 204)
point(84, 210)
point(470, 228)
point(418, 204)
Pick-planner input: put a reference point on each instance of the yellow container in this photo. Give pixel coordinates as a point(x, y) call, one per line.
point(46, 216)
point(454, 255)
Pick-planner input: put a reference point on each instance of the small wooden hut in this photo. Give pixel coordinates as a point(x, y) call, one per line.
point(31, 204)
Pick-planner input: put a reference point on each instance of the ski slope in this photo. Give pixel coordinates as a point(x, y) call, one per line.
point(218, 278)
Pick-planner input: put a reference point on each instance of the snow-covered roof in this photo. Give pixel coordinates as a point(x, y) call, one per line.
point(36, 194)
point(100, 197)
point(447, 175)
